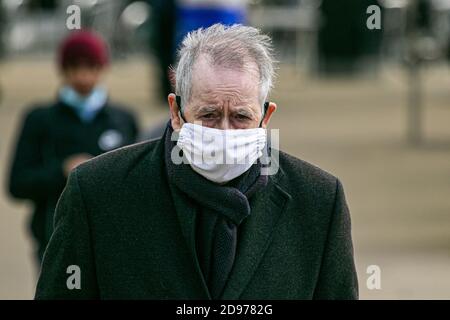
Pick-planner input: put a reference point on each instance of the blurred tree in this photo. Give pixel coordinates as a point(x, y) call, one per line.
point(423, 16)
point(2, 30)
point(42, 4)
point(344, 39)
point(162, 40)
point(279, 2)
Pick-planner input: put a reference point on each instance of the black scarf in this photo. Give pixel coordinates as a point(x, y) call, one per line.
point(222, 208)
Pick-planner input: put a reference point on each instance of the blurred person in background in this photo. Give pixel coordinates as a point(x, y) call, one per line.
point(194, 14)
point(58, 136)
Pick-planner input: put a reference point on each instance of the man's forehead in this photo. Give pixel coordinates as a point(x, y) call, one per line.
point(210, 80)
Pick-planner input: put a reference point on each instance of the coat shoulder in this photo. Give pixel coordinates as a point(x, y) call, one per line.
point(112, 167)
point(37, 112)
point(120, 109)
point(305, 177)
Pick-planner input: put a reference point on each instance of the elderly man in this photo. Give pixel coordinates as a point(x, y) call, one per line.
point(196, 214)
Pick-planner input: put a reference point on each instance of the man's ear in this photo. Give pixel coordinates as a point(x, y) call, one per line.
point(174, 112)
point(270, 110)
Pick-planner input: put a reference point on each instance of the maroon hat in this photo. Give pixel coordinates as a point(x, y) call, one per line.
point(83, 47)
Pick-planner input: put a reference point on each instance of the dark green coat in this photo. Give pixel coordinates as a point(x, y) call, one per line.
point(133, 238)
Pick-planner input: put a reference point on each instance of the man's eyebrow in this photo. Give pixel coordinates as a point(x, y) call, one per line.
point(244, 111)
point(207, 108)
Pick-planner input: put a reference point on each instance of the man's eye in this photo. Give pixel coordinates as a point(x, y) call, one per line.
point(208, 116)
point(242, 117)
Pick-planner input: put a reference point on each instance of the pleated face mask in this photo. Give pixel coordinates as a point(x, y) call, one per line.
point(221, 155)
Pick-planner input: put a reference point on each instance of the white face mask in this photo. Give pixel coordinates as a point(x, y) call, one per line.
point(221, 155)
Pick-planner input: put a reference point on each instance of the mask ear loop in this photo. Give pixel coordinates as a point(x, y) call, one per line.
point(178, 100)
point(266, 106)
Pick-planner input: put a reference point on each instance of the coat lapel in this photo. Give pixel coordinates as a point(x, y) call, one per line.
point(186, 214)
point(255, 236)
point(152, 168)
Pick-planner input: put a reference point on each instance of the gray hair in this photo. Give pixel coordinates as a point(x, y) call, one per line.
point(230, 46)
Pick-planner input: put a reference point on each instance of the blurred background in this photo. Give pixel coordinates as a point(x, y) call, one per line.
point(371, 106)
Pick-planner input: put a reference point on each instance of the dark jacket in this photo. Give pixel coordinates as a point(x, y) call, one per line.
point(50, 134)
point(130, 234)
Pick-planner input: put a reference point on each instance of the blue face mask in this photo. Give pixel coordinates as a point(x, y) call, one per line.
point(86, 107)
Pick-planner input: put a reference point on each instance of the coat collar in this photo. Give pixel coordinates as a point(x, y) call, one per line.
point(254, 238)
point(64, 108)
